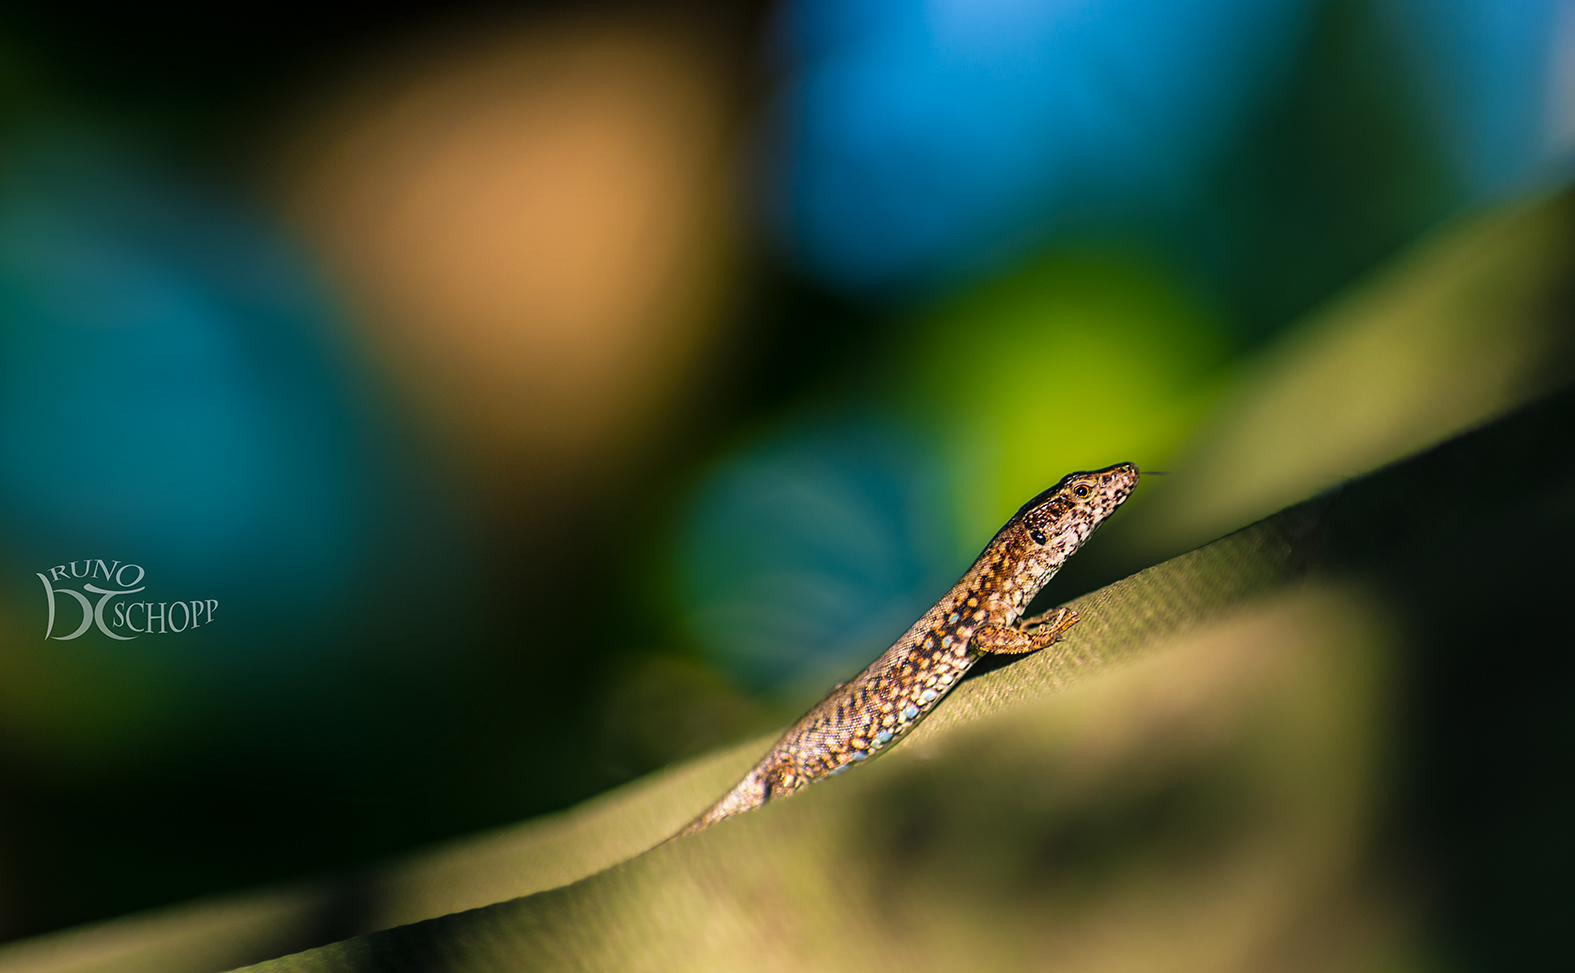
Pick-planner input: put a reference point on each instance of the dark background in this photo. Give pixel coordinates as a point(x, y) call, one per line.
point(435, 627)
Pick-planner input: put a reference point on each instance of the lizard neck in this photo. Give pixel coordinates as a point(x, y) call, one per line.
point(1004, 580)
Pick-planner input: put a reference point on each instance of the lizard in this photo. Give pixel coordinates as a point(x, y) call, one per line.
point(982, 614)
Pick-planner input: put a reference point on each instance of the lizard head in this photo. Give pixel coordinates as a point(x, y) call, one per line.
point(1061, 518)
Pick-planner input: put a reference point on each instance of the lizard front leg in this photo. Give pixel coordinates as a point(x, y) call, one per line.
point(1029, 635)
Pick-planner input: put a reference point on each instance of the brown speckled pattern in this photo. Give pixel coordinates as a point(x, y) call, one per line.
point(980, 615)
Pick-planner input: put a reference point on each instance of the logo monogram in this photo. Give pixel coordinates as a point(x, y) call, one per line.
point(191, 612)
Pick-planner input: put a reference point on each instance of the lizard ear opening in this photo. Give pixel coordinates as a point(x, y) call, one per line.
point(1037, 534)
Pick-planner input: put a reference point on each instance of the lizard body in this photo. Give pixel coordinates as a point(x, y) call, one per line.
point(980, 615)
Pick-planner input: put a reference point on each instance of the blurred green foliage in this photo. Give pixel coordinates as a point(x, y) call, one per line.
point(1069, 363)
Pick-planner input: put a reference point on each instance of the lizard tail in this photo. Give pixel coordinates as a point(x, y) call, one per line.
point(750, 793)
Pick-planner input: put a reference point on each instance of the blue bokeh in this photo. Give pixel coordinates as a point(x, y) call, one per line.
point(168, 392)
point(807, 554)
point(1490, 71)
point(924, 138)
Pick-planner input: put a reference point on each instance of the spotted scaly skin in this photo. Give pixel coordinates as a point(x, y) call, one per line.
point(981, 615)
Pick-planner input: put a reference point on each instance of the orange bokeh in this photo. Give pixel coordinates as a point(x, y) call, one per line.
point(532, 224)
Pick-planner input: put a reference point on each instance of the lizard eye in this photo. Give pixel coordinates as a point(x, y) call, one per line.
point(1081, 491)
point(1037, 534)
